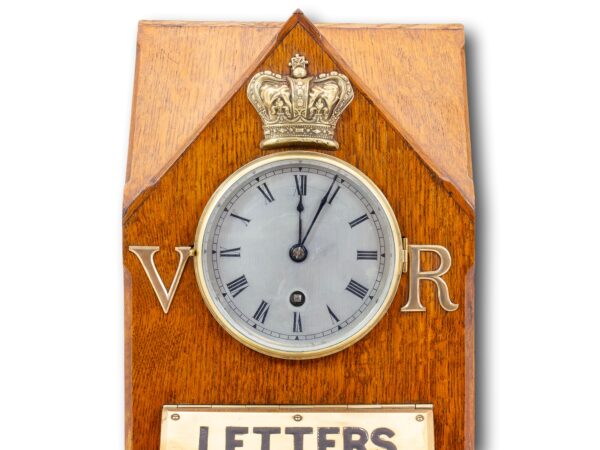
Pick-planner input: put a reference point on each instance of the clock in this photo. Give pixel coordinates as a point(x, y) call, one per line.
point(271, 300)
point(299, 254)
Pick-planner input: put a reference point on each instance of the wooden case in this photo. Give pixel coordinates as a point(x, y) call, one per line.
point(407, 129)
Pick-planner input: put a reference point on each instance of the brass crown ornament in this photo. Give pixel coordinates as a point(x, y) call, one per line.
point(299, 110)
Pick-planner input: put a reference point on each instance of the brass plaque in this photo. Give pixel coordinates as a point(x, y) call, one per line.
point(353, 427)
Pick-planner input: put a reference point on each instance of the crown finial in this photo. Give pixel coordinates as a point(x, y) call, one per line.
point(299, 110)
point(298, 64)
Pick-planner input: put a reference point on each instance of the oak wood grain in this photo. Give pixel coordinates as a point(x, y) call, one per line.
point(416, 76)
point(185, 357)
point(184, 73)
point(184, 82)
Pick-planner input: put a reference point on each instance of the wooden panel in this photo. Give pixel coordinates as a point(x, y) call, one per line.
point(185, 357)
point(426, 96)
point(184, 82)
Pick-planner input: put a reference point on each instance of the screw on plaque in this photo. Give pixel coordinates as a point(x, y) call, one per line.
point(297, 417)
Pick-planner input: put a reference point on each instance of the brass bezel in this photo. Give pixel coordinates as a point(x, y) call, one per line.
point(291, 156)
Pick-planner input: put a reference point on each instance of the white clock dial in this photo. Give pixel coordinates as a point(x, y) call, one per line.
point(298, 254)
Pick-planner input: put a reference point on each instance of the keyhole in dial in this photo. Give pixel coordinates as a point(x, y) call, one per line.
point(297, 298)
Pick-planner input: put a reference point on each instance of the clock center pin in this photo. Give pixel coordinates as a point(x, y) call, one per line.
point(298, 253)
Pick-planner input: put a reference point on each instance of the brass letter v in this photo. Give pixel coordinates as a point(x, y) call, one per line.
point(146, 257)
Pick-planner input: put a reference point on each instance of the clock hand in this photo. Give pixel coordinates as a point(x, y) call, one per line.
point(300, 209)
point(298, 252)
point(321, 205)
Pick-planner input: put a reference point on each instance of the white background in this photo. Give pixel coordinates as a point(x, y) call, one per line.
point(66, 80)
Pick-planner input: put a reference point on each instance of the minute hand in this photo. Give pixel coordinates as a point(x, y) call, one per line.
point(321, 205)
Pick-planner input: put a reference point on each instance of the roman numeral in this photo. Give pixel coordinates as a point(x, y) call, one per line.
point(264, 190)
point(357, 289)
point(297, 327)
point(366, 254)
point(243, 219)
point(230, 252)
point(261, 313)
point(358, 220)
point(334, 318)
point(237, 286)
point(334, 194)
point(300, 184)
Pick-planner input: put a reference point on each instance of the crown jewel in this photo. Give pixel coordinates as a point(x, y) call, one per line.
point(299, 110)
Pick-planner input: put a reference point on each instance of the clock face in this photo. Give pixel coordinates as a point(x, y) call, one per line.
point(299, 255)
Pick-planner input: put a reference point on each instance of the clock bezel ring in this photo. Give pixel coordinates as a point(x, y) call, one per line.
point(214, 203)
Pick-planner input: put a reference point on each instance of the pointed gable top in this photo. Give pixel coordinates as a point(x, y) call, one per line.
point(415, 75)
